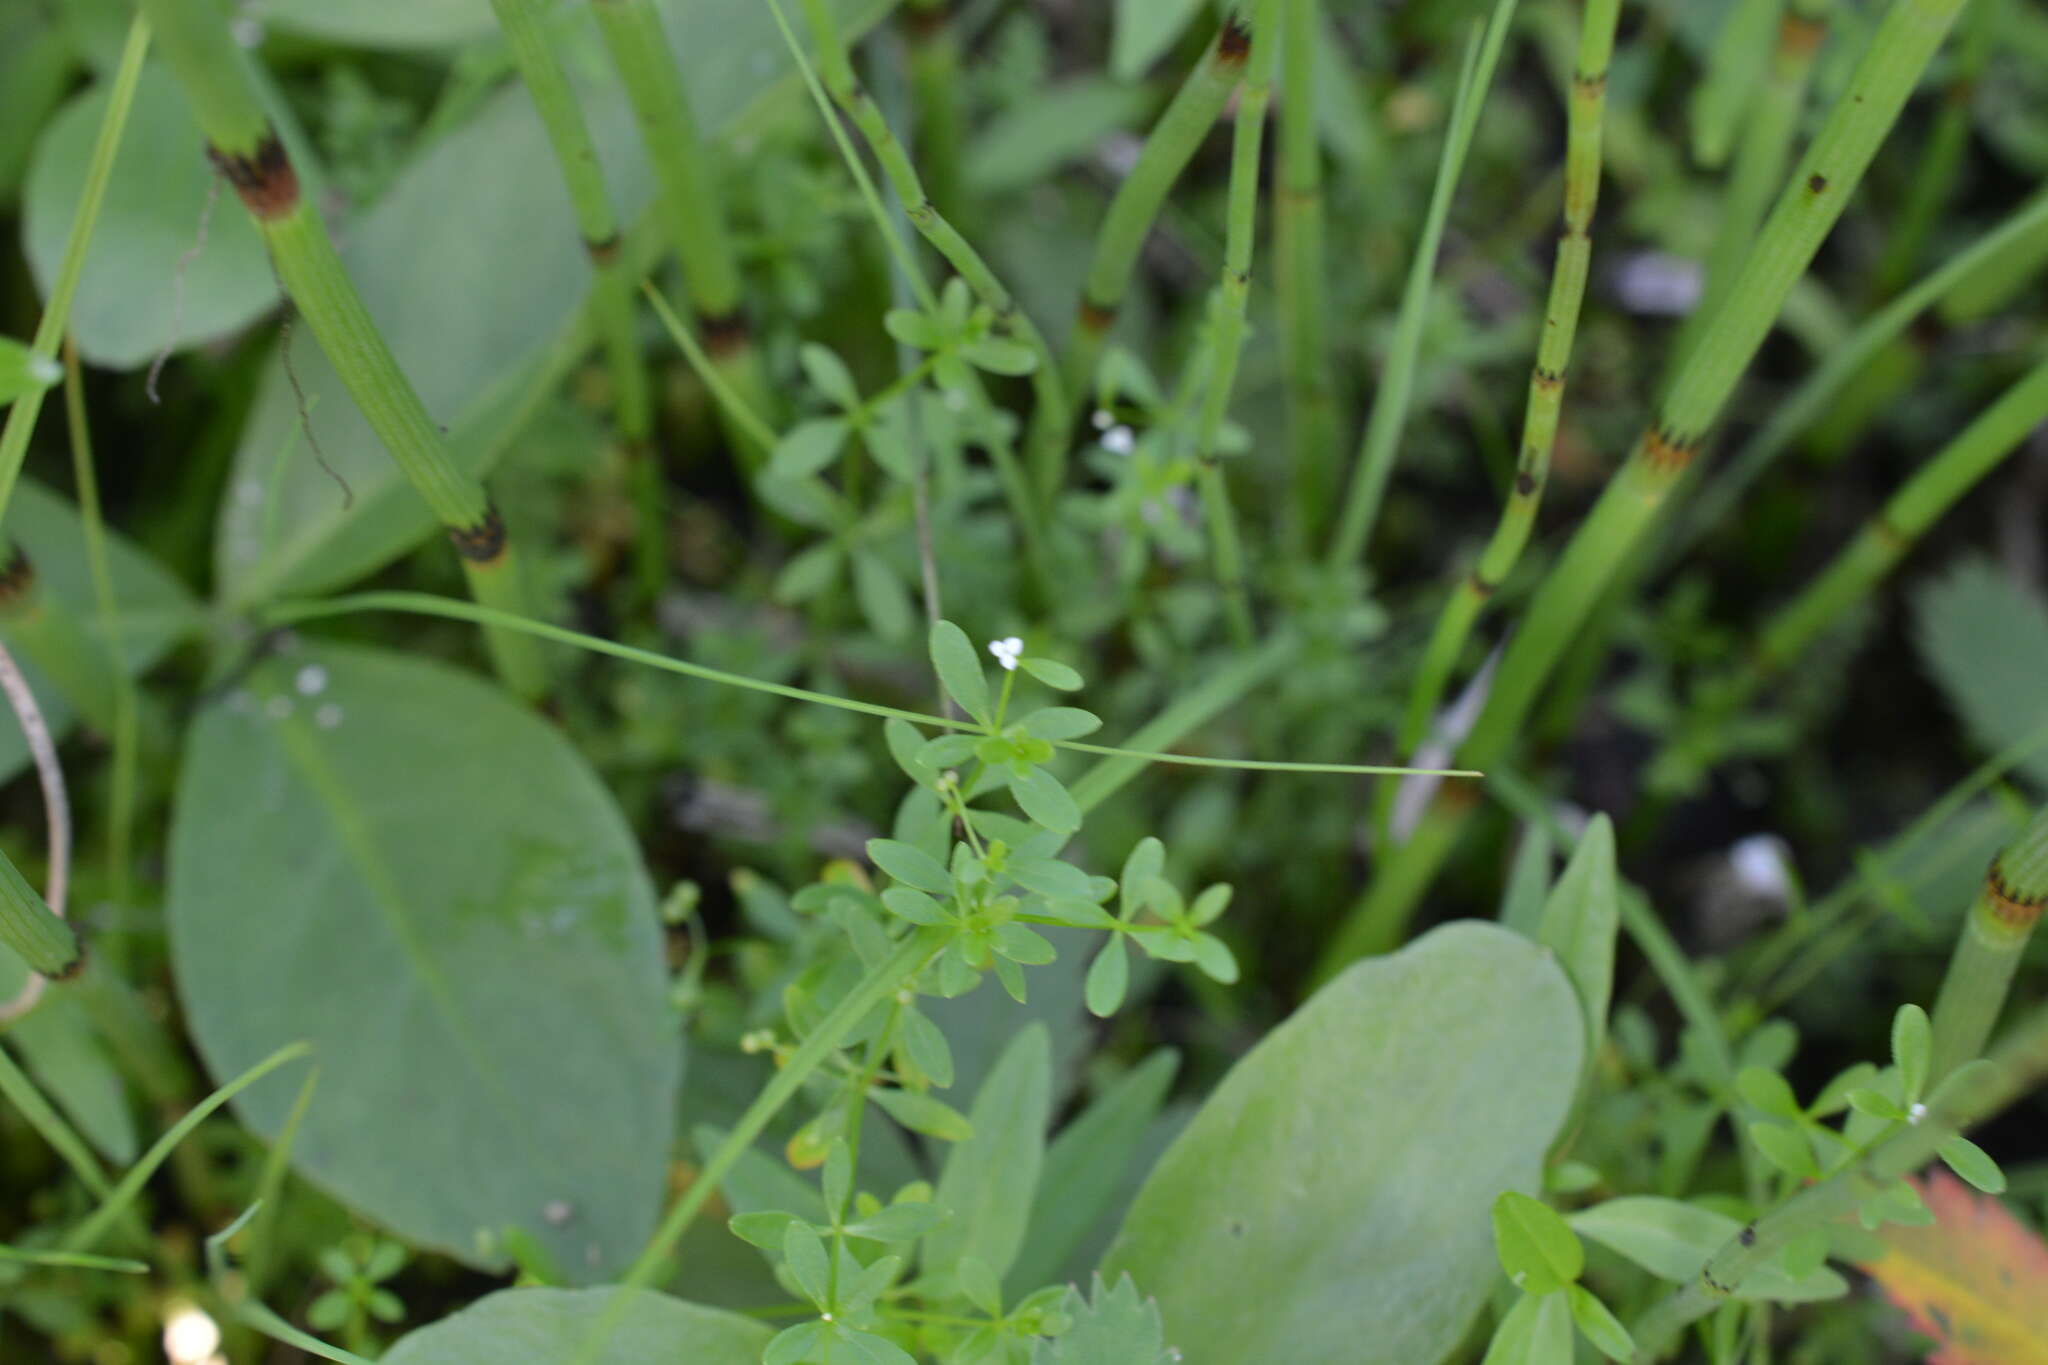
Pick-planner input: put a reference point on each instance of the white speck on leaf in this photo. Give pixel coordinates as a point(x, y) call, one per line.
point(312, 680)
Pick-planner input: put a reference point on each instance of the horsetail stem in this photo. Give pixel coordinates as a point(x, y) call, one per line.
point(1167, 150)
point(2016, 1066)
point(1048, 441)
point(1844, 362)
point(1226, 339)
point(1806, 211)
point(1546, 381)
point(1760, 161)
point(1884, 78)
point(689, 202)
point(1298, 272)
point(1905, 517)
point(1988, 949)
point(246, 149)
point(1724, 98)
point(1376, 449)
point(47, 943)
point(611, 290)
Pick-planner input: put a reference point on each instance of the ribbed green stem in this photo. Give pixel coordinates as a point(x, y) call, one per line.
point(46, 943)
point(1805, 213)
point(1054, 412)
point(2017, 1066)
point(689, 201)
point(1546, 381)
point(1375, 461)
point(1168, 148)
point(611, 291)
point(1988, 950)
point(1884, 541)
point(1941, 162)
point(1811, 400)
point(1768, 128)
point(21, 417)
point(1723, 101)
point(1877, 90)
point(1299, 273)
point(246, 149)
point(1226, 332)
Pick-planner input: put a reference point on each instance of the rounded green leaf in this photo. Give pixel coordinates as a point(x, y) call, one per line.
point(554, 1324)
point(1973, 1164)
point(1536, 1248)
point(1329, 1205)
point(959, 669)
point(1109, 975)
point(393, 861)
point(808, 447)
point(1536, 1331)
point(1046, 801)
point(911, 865)
point(1600, 1326)
point(138, 292)
point(1061, 722)
point(1053, 673)
point(1912, 1049)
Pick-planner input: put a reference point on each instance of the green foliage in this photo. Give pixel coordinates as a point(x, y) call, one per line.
point(551, 1324)
point(1288, 1121)
point(454, 944)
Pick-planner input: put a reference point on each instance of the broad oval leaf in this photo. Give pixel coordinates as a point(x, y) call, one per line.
point(391, 860)
point(146, 284)
point(1330, 1204)
point(553, 1325)
point(430, 259)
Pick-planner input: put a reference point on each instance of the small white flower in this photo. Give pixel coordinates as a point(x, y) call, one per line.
point(1102, 419)
point(190, 1336)
point(1916, 1113)
point(1762, 866)
point(1119, 440)
point(1007, 652)
point(312, 679)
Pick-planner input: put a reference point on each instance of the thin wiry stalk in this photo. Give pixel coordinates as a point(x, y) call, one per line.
point(1988, 950)
point(1226, 344)
point(1771, 121)
point(1375, 462)
point(1048, 441)
point(1890, 68)
point(2017, 1066)
point(21, 698)
point(126, 740)
point(1546, 381)
point(1934, 182)
point(1811, 400)
point(1168, 148)
point(1299, 273)
point(611, 289)
point(1905, 517)
point(246, 149)
point(689, 201)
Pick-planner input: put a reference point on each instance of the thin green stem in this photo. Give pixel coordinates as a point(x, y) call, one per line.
point(1988, 950)
point(21, 1092)
point(50, 328)
point(611, 290)
point(426, 604)
point(689, 199)
point(1298, 222)
point(1054, 410)
point(2016, 1066)
point(121, 796)
point(1957, 468)
point(1167, 150)
point(1546, 381)
point(1226, 331)
point(247, 150)
point(938, 97)
point(1375, 461)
